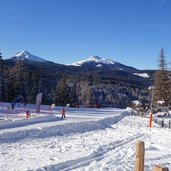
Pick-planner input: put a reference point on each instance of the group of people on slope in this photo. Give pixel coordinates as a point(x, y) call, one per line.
point(62, 113)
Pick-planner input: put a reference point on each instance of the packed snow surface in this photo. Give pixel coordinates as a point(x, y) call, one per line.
point(87, 140)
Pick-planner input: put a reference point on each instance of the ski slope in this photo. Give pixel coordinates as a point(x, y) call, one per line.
point(87, 140)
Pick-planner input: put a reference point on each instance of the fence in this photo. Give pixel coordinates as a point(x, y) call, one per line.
point(163, 122)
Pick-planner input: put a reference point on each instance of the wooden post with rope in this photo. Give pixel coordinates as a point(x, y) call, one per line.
point(140, 153)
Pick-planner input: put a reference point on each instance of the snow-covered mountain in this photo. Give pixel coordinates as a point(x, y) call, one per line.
point(94, 59)
point(92, 63)
point(25, 55)
point(102, 63)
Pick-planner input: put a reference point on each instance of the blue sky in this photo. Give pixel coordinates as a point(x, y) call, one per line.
point(65, 31)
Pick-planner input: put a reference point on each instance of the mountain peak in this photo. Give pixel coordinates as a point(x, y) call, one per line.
point(94, 59)
point(98, 59)
point(25, 55)
point(94, 62)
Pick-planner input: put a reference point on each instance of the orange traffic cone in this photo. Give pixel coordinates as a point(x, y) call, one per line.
point(150, 120)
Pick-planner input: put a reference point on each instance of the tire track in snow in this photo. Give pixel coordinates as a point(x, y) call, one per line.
point(97, 155)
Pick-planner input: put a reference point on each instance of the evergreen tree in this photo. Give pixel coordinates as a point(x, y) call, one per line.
point(62, 93)
point(84, 92)
point(1, 63)
point(17, 79)
point(36, 83)
point(73, 95)
point(162, 90)
point(1, 77)
point(162, 61)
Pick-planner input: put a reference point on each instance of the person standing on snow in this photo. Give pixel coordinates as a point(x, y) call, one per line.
point(63, 113)
point(27, 114)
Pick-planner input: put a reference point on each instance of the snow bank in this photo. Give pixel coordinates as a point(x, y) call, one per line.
point(24, 122)
point(58, 130)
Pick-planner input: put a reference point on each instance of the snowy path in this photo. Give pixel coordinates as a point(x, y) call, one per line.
point(110, 146)
point(105, 142)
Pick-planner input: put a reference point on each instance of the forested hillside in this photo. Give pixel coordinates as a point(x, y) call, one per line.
point(72, 85)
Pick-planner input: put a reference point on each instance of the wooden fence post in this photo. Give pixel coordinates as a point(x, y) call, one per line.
point(159, 168)
point(140, 153)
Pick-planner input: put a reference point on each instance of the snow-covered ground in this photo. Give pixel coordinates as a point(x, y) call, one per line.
point(87, 140)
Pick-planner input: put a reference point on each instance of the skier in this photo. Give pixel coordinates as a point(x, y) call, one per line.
point(27, 114)
point(63, 113)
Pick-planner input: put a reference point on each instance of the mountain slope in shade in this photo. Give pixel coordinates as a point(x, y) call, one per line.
point(25, 55)
point(101, 63)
